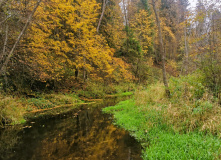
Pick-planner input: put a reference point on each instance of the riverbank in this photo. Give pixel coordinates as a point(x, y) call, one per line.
point(184, 126)
point(16, 109)
point(83, 132)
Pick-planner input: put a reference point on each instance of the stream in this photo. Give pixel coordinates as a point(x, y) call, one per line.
point(81, 134)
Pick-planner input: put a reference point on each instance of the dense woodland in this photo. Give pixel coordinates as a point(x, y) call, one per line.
point(167, 53)
point(56, 44)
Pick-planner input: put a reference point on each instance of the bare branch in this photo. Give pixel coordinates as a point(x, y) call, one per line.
point(3, 68)
point(5, 20)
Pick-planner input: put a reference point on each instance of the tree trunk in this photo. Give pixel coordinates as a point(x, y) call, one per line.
point(125, 13)
point(3, 68)
point(161, 48)
point(186, 53)
point(5, 45)
point(3, 57)
point(76, 74)
point(102, 14)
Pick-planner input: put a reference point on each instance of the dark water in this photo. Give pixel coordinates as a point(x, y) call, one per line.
point(83, 134)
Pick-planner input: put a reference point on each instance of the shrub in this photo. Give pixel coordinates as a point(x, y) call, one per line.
point(211, 71)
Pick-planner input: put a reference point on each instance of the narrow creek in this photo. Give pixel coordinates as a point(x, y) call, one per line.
point(82, 134)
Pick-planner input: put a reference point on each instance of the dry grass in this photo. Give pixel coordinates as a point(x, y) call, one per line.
point(11, 110)
point(188, 117)
point(191, 108)
point(154, 94)
point(59, 99)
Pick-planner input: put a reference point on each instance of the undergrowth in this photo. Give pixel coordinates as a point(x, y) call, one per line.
point(12, 109)
point(184, 126)
point(98, 90)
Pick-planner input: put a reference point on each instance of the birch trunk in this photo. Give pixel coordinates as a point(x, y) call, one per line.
point(102, 14)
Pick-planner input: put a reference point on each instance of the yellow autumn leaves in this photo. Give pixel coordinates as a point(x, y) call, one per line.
point(63, 39)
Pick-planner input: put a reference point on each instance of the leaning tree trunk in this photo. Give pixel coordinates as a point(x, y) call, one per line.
point(3, 68)
point(5, 44)
point(3, 56)
point(161, 48)
point(102, 14)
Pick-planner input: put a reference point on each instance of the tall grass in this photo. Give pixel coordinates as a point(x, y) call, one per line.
point(183, 126)
point(11, 111)
point(190, 108)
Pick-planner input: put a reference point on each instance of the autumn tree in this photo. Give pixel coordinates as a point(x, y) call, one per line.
point(63, 45)
point(204, 42)
point(16, 15)
point(112, 25)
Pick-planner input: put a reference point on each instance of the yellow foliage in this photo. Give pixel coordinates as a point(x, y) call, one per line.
point(63, 39)
point(141, 24)
point(113, 29)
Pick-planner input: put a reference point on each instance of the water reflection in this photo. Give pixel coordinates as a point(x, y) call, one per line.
point(84, 135)
point(8, 139)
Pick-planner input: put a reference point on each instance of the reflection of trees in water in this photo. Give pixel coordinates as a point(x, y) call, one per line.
point(8, 139)
point(86, 136)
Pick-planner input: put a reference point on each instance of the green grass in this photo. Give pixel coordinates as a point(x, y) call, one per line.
point(98, 90)
point(174, 146)
point(40, 103)
point(159, 139)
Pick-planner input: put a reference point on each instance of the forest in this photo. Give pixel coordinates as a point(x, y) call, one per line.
point(165, 53)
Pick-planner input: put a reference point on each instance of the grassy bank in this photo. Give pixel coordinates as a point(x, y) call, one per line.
point(15, 109)
point(184, 126)
point(96, 90)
